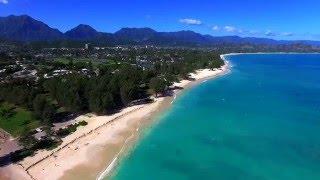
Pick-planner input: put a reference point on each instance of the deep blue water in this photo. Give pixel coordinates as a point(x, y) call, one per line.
point(259, 122)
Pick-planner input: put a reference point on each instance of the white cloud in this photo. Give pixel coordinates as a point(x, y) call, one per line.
point(269, 33)
point(246, 32)
point(230, 28)
point(216, 28)
point(4, 1)
point(287, 34)
point(190, 21)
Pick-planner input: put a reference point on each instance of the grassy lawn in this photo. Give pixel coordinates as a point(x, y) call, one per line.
point(95, 62)
point(16, 120)
point(62, 60)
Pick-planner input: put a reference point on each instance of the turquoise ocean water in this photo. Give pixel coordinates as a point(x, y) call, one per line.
point(260, 122)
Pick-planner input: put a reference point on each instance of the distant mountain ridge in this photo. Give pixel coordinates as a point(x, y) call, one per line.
point(82, 32)
point(26, 29)
point(136, 34)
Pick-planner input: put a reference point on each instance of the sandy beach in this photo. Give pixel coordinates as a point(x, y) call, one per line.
point(93, 150)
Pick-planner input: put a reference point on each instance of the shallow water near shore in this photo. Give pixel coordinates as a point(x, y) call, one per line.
point(261, 121)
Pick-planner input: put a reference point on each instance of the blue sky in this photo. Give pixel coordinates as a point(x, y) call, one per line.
point(277, 19)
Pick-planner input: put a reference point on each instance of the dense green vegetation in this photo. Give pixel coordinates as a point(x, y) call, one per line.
point(112, 88)
point(70, 129)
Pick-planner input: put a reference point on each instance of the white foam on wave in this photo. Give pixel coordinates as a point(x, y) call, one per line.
point(175, 96)
point(108, 169)
point(113, 162)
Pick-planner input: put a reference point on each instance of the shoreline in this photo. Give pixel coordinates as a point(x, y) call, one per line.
point(262, 53)
point(168, 101)
point(105, 139)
